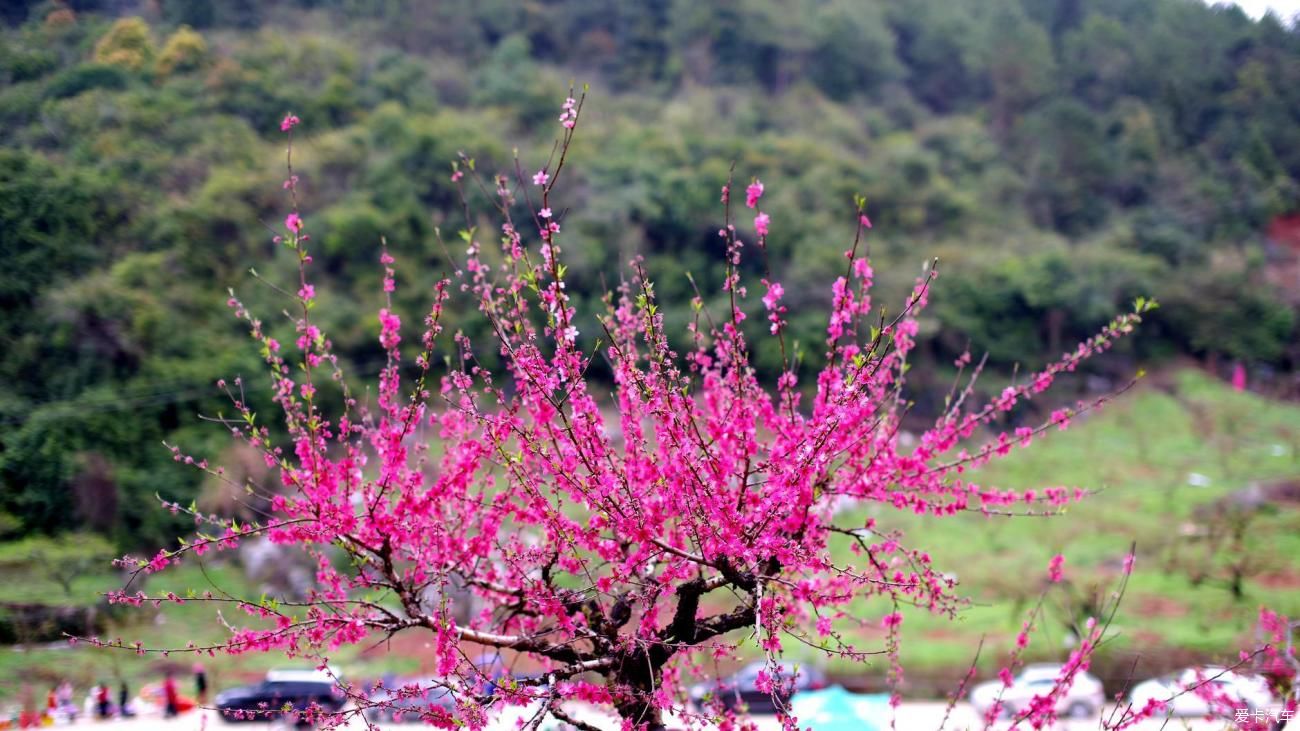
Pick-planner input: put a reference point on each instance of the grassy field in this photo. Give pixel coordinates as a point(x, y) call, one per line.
point(172, 627)
point(1161, 456)
point(1157, 455)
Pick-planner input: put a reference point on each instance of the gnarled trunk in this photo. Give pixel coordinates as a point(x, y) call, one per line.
point(635, 678)
point(641, 713)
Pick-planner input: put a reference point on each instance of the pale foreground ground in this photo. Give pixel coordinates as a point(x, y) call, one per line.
point(911, 717)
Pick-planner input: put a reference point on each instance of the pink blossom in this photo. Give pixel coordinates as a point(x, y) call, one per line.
point(540, 178)
point(1007, 399)
point(293, 222)
point(544, 213)
point(390, 329)
point(1239, 377)
point(1055, 569)
point(753, 193)
point(864, 221)
point(823, 626)
point(1003, 445)
point(772, 301)
point(761, 222)
point(1042, 382)
point(774, 294)
point(160, 561)
point(1061, 418)
point(289, 122)
point(569, 113)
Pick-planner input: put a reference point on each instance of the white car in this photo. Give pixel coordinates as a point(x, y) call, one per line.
point(1239, 691)
point(1084, 699)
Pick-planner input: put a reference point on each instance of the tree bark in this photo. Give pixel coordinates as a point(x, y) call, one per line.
point(635, 678)
point(641, 713)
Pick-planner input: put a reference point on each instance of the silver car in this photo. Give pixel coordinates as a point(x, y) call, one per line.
point(1083, 699)
point(1184, 693)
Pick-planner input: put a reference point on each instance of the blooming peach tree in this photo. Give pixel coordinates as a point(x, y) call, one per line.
point(621, 533)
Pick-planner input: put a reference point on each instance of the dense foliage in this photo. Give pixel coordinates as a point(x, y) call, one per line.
point(1059, 156)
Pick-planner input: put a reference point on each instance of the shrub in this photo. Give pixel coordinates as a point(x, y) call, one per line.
point(127, 44)
point(184, 50)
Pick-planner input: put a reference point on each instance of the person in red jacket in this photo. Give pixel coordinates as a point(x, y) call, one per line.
point(103, 706)
point(28, 717)
point(171, 696)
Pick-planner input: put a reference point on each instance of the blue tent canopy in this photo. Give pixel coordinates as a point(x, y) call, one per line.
point(836, 709)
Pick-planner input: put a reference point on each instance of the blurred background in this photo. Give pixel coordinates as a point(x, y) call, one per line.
point(1059, 157)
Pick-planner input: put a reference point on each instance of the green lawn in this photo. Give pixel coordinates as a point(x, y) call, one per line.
point(1140, 452)
point(172, 627)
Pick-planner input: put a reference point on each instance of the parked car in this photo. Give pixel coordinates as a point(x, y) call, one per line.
point(407, 699)
point(1241, 691)
point(742, 687)
point(1084, 699)
point(293, 688)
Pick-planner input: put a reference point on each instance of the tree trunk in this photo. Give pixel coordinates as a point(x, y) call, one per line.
point(633, 684)
point(641, 713)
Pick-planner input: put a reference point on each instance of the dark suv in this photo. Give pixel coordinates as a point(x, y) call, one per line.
point(294, 689)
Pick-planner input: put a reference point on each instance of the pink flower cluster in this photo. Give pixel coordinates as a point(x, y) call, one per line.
point(1055, 569)
point(569, 113)
point(772, 301)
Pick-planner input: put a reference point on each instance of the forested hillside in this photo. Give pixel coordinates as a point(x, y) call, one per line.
point(1060, 157)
